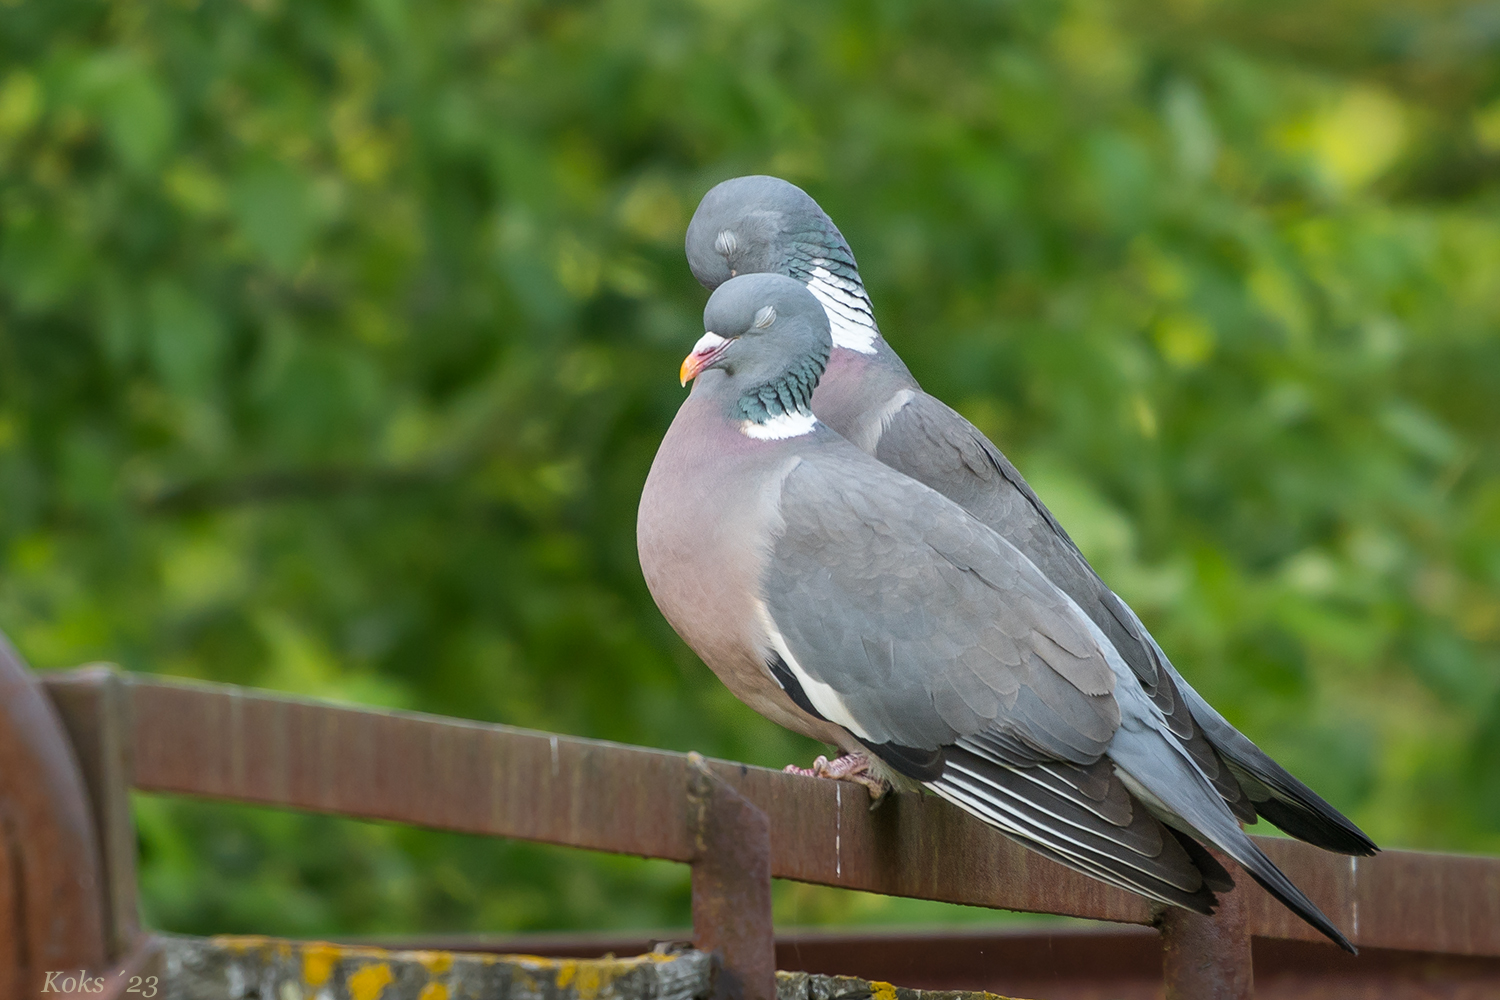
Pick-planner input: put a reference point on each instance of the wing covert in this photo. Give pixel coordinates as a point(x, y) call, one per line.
point(926, 624)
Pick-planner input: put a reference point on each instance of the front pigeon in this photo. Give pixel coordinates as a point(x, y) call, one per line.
point(853, 604)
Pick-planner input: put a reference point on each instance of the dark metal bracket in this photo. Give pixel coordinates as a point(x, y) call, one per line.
point(1208, 958)
point(731, 885)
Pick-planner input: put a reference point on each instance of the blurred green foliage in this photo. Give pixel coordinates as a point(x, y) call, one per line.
point(336, 338)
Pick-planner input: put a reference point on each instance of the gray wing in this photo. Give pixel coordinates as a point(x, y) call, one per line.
point(934, 444)
point(923, 623)
point(917, 628)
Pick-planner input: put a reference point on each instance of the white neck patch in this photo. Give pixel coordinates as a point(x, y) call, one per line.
point(851, 318)
point(788, 425)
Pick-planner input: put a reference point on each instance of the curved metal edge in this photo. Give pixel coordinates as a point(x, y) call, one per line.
point(55, 909)
point(93, 703)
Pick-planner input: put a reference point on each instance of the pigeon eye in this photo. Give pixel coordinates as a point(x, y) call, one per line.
point(764, 318)
point(726, 244)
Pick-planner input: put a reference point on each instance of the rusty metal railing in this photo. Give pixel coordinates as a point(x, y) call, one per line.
point(73, 744)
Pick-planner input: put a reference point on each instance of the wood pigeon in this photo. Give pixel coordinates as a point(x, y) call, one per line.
point(764, 224)
point(849, 602)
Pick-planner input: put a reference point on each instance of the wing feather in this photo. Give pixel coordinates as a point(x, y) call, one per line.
point(934, 444)
point(927, 624)
point(1138, 855)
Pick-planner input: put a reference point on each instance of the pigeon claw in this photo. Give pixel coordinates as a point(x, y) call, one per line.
point(852, 767)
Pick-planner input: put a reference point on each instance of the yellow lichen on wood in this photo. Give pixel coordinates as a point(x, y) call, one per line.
point(320, 970)
point(317, 962)
point(369, 982)
point(239, 945)
point(589, 978)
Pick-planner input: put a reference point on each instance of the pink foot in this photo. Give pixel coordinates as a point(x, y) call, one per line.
point(853, 767)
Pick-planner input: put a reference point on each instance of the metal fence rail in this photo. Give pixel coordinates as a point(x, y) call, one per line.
point(737, 826)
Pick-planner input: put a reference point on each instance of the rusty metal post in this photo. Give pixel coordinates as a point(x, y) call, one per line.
point(94, 705)
point(1208, 958)
point(54, 912)
point(731, 885)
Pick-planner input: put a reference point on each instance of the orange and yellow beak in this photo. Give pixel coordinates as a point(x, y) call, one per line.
point(709, 348)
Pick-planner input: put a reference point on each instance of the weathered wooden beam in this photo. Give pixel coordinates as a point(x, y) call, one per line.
point(233, 968)
point(1058, 962)
point(222, 968)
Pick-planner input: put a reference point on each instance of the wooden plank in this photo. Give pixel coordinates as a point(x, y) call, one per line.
point(1058, 963)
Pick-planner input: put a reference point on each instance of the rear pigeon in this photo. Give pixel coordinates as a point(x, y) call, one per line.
point(853, 604)
point(766, 225)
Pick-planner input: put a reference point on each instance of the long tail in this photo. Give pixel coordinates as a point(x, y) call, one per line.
point(1162, 776)
point(1275, 792)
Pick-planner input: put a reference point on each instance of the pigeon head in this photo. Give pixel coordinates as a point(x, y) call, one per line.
point(769, 337)
point(751, 225)
point(765, 225)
